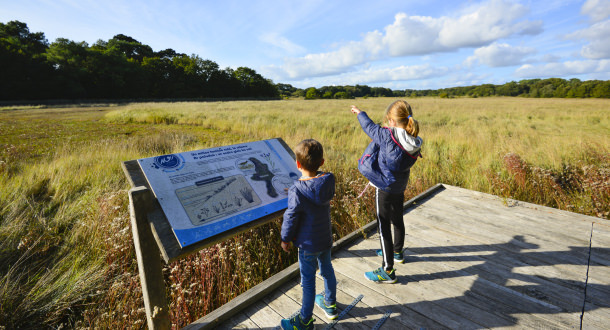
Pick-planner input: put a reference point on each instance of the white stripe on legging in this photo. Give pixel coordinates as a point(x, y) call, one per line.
point(385, 254)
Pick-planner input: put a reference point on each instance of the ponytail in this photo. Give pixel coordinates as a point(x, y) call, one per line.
point(401, 112)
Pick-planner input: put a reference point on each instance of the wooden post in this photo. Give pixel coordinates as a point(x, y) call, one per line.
point(149, 259)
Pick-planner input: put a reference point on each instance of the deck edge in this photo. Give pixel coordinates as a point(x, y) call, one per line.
point(241, 302)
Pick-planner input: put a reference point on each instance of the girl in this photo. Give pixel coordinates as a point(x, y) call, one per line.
point(386, 163)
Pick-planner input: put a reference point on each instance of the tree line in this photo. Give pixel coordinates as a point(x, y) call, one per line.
point(551, 87)
point(31, 68)
point(121, 68)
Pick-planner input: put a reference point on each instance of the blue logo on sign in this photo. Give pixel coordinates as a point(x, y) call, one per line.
point(169, 163)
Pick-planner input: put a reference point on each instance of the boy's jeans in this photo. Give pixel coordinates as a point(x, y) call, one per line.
point(307, 263)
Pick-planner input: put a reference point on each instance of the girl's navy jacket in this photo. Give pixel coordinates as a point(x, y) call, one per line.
point(387, 160)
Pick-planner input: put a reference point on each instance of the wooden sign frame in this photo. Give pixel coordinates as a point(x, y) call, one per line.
point(153, 236)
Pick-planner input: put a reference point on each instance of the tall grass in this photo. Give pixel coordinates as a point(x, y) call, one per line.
point(66, 255)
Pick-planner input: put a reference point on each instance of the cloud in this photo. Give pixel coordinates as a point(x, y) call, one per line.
point(598, 9)
point(416, 35)
point(499, 55)
point(283, 43)
point(598, 36)
point(492, 21)
point(379, 75)
point(400, 73)
point(563, 69)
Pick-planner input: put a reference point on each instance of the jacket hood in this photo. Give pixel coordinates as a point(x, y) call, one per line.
point(411, 144)
point(319, 189)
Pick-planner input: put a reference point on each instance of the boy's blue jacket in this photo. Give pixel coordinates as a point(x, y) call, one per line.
point(307, 218)
point(387, 160)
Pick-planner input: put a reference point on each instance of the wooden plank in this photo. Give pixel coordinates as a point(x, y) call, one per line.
point(134, 174)
point(528, 263)
point(282, 304)
point(263, 316)
point(564, 296)
point(560, 270)
point(455, 214)
point(460, 271)
point(513, 239)
point(469, 246)
point(362, 314)
point(549, 225)
point(549, 263)
point(295, 292)
point(525, 208)
point(239, 303)
point(242, 301)
point(597, 308)
point(409, 294)
point(407, 317)
point(595, 317)
point(238, 321)
point(149, 261)
point(470, 295)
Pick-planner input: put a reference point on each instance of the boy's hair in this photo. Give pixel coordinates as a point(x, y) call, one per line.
point(310, 154)
point(401, 112)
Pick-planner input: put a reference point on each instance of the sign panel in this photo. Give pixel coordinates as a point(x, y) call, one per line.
point(206, 192)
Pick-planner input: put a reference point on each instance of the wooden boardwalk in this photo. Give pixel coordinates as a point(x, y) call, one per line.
point(473, 261)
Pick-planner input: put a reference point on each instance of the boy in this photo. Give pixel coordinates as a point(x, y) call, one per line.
point(307, 225)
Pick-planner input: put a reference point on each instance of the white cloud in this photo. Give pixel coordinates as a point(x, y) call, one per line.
point(284, 44)
point(563, 69)
point(494, 20)
point(598, 9)
point(550, 58)
point(598, 36)
point(499, 55)
point(379, 75)
point(323, 64)
point(415, 35)
point(401, 73)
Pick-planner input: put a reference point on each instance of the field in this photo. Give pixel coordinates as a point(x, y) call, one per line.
point(66, 254)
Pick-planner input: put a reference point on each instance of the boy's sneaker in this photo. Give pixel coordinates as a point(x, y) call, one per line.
point(398, 256)
point(297, 323)
point(379, 275)
point(330, 311)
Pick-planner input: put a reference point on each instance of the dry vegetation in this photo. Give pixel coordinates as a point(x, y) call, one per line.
point(66, 256)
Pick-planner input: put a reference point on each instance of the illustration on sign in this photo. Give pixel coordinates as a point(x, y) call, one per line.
point(206, 192)
point(212, 199)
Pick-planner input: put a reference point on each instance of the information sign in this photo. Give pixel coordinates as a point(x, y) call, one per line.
point(206, 192)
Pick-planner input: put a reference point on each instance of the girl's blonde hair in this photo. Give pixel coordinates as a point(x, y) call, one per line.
point(400, 111)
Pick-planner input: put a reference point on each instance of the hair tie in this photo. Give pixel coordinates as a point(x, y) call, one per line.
point(410, 117)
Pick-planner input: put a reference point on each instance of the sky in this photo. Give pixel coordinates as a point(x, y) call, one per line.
point(394, 44)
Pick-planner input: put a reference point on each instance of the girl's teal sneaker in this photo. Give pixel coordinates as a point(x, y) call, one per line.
point(379, 275)
point(398, 256)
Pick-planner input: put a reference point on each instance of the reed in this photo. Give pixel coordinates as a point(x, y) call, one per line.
point(66, 255)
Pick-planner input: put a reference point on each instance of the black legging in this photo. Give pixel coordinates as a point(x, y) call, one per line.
point(389, 212)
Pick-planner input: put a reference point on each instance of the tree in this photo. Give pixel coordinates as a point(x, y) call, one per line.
point(68, 59)
point(25, 74)
point(343, 95)
point(601, 89)
point(129, 47)
point(253, 84)
point(312, 93)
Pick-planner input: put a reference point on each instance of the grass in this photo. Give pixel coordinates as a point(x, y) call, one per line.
point(66, 255)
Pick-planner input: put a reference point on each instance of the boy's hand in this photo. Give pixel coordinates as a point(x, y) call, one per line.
point(355, 109)
point(286, 246)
